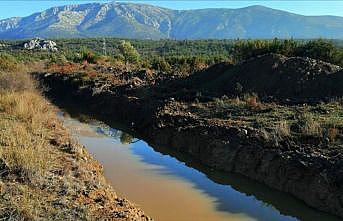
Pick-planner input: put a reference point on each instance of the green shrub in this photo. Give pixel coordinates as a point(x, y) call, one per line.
point(318, 49)
point(129, 53)
point(160, 64)
point(88, 55)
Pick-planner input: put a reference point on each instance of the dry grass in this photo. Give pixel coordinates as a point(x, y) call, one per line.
point(8, 62)
point(15, 81)
point(332, 134)
point(23, 138)
point(21, 202)
point(282, 129)
point(26, 156)
point(309, 126)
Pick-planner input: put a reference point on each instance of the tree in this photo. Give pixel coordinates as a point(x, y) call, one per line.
point(129, 53)
point(318, 49)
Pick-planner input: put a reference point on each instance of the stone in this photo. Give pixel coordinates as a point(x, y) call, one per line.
point(41, 44)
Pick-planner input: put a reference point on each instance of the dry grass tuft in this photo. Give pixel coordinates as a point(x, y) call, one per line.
point(332, 134)
point(26, 155)
point(282, 129)
point(309, 126)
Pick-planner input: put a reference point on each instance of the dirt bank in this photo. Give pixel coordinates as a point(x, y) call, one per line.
point(46, 175)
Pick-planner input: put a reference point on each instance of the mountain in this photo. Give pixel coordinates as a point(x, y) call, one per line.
point(128, 20)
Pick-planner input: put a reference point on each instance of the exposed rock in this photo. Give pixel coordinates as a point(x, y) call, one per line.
point(41, 44)
point(137, 81)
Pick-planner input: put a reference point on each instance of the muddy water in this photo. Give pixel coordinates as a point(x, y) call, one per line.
point(168, 189)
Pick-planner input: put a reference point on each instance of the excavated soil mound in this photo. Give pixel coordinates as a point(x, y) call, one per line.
point(273, 75)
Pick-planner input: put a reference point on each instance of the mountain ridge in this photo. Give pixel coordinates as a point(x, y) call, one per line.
point(144, 21)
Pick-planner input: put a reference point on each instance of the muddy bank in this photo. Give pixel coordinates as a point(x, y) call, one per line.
point(311, 174)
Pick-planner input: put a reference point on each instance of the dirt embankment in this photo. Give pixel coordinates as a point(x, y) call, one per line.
point(308, 166)
point(274, 76)
point(46, 175)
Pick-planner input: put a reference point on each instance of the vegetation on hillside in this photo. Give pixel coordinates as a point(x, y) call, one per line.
point(183, 57)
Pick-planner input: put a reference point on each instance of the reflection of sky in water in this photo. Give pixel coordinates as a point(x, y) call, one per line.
point(227, 198)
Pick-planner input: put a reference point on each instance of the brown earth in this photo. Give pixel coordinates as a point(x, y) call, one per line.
point(233, 134)
point(270, 76)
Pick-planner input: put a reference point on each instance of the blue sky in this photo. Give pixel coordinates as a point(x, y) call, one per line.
point(23, 8)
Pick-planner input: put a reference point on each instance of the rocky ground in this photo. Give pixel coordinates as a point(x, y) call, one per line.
point(41, 44)
point(274, 119)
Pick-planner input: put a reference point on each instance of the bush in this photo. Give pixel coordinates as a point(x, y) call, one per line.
point(160, 64)
point(129, 53)
point(84, 55)
point(89, 56)
point(317, 49)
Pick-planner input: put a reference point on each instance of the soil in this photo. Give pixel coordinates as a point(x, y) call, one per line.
point(181, 113)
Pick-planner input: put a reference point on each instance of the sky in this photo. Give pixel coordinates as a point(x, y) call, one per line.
point(14, 8)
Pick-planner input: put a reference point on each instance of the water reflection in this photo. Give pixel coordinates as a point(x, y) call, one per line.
point(229, 193)
point(121, 136)
point(232, 192)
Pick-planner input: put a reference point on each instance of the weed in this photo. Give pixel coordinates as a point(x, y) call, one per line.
point(309, 126)
point(251, 101)
point(332, 134)
point(282, 129)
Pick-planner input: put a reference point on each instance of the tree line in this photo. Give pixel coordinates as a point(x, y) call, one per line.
point(187, 56)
